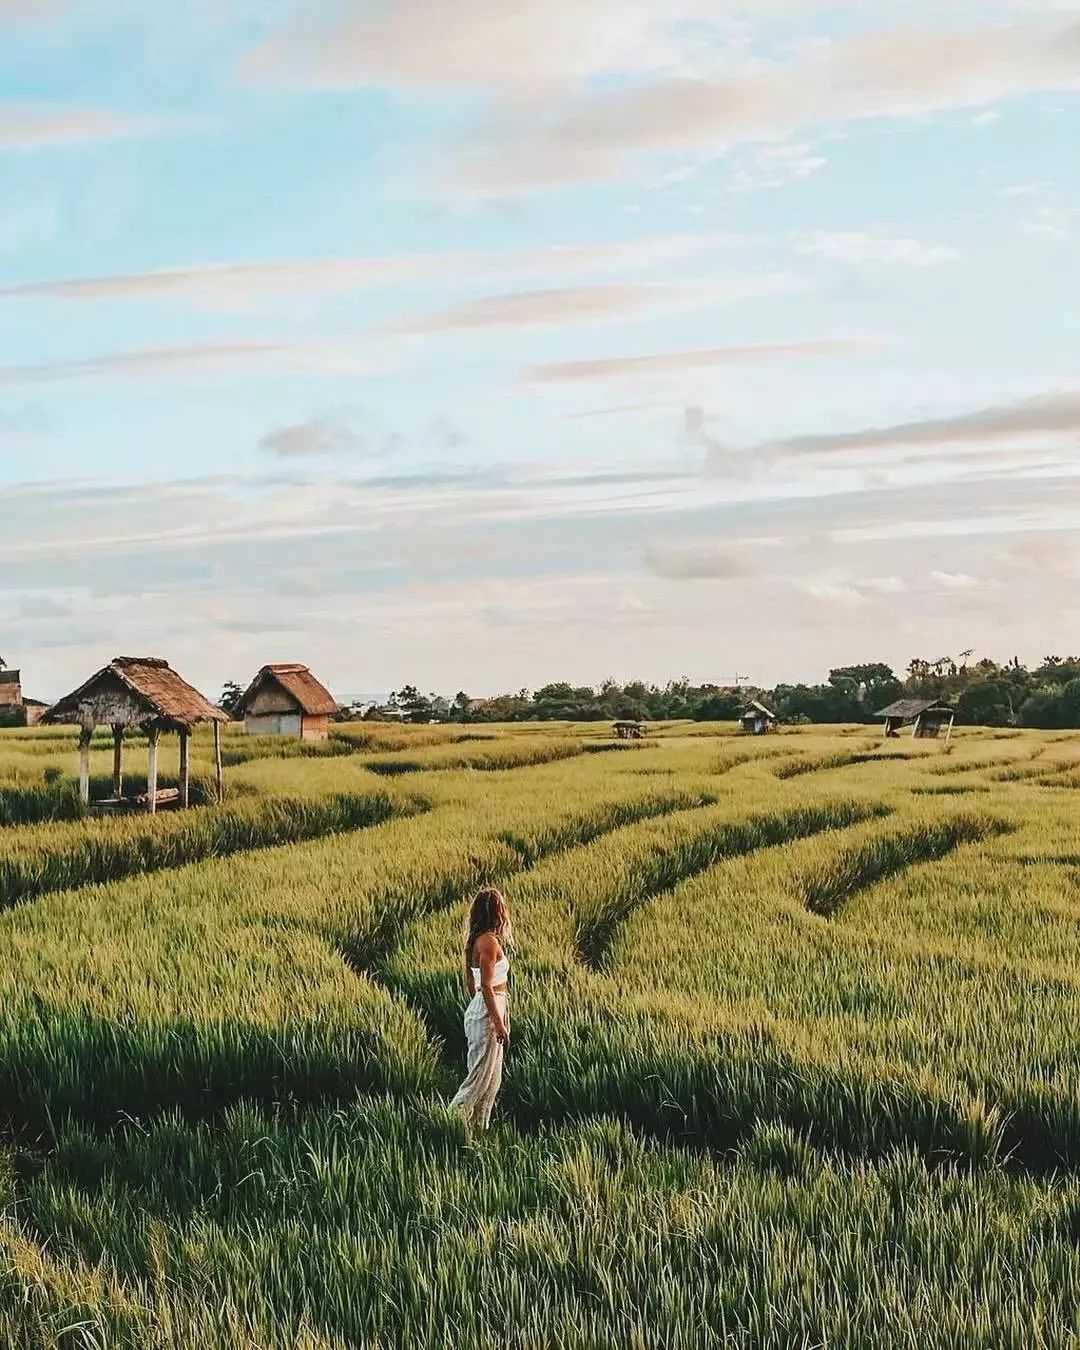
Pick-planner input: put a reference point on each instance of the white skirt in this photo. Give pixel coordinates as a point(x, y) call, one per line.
point(477, 1094)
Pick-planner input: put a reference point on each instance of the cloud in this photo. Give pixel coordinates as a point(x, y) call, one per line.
point(32, 126)
point(1047, 414)
point(720, 562)
point(954, 581)
point(312, 439)
point(518, 50)
point(580, 304)
point(199, 358)
point(859, 249)
point(220, 283)
point(877, 73)
point(668, 363)
point(1060, 557)
point(831, 594)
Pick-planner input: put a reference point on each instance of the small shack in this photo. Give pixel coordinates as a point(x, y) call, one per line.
point(629, 729)
point(925, 716)
point(15, 709)
point(286, 700)
point(143, 692)
point(756, 719)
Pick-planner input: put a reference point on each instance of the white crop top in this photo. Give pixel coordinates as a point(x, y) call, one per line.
point(498, 975)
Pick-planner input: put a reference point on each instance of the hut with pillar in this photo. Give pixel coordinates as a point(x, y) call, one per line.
point(926, 717)
point(145, 693)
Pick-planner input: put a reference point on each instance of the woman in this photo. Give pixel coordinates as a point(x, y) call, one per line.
point(487, 1022)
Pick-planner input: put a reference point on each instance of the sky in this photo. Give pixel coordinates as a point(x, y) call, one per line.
point(482, 344)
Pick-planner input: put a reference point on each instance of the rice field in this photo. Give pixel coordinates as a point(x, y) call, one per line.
point(794, 1056)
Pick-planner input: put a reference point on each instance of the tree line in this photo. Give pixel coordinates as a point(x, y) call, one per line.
point(984, 693)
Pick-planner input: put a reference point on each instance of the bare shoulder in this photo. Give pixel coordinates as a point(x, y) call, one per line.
point(487, 944)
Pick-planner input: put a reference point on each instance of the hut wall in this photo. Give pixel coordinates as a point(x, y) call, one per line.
point(33, 713)
point(315, 728)
point(274, 724)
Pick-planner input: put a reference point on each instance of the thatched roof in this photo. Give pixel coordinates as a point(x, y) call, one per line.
point(298, 682)
point(910, 708)
point(157, 691)
point(759, 709)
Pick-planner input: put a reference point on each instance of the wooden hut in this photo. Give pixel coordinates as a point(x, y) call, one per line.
point(15, 709)
point(756, 719)
point(925, 716)
point(629, 729)
point(286, 700)
point(143, 692)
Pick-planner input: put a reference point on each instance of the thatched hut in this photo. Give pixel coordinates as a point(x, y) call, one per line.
point(16, 710)
point(286, 700)
point(925, 716)
point(143, 692)
point(756, 719)
point(629, 729)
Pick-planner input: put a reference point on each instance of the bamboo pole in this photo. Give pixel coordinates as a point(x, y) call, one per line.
point(85, 737)
point(151, 771)
point(185, 768)
point(118, 760)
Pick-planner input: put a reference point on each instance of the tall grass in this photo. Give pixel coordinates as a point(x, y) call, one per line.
point(887, 1099)
point(99, 851)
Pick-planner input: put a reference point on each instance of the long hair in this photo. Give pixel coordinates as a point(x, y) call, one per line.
point(488, 913)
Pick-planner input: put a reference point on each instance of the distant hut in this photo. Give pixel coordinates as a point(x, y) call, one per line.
point(15, 709)
point(756, 719)
point(143, 692)
point(925, 716)
point(286, 700)
point(33, 711)
point(11, 699)
point(629, 729)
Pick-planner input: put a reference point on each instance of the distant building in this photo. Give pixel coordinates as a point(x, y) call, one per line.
point(286, 700)
point(925, 716)
point(756, 719)
point(15, 710)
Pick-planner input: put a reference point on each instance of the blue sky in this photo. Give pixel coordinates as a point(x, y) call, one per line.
point(482, 344)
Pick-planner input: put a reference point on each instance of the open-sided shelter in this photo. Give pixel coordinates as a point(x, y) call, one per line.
point(756, 719)
point(286, 700)
point(925, 716)
point(143, 692)
point(629, 729)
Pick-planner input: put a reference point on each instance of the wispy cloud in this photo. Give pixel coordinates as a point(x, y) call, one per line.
point(31, 126)
point(223, 283)
point(202, 357)
point(559, 306)
point(1048, 414)
point(876, 73)
point(668, 363)
point(857, 249)
point(718, 562)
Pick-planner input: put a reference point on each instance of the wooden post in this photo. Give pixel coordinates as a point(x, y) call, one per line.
point(84, 764)
point(118, 760)
point(948, 733)
point(151, 770)
point(185, 768)
point(217, 761)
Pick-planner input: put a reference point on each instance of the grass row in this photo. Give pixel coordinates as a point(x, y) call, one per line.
point(375, 1226)
point(92, 852)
